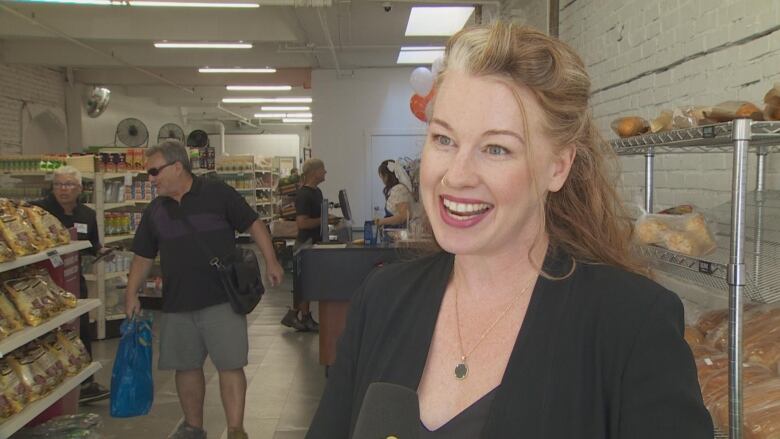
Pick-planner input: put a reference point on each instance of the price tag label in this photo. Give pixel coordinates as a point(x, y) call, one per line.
point(150, 284)
point(54, 258)
point(129, 179)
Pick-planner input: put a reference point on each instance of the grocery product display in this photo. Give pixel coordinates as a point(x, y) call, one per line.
point(253, 178)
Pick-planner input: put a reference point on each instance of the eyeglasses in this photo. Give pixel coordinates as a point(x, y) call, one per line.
point(154, 172)
point(68, 185)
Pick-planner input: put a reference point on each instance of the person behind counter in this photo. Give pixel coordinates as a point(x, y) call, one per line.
point(63, 203)
point(398, 195)
point(534, 320)
point(196, 321)
point(308, 210)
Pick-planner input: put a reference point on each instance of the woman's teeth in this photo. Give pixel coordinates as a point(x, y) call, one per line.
point(465, 209)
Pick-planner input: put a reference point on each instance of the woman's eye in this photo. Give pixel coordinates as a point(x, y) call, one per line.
point(442, 140)
point(496, 150)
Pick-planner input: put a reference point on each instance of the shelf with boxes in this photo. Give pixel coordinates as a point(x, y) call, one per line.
point(252, 178)
point(744, 262)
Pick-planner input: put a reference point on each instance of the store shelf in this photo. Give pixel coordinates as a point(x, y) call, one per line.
point(265, 203)
point(32, 332)
point(265, 189)
point(707, 138)
point(112, 175)
point(21, 261)
point(120, 316)
point(116, 238)
point(113, 275)
point(28, 173)
point(108, 206)
point(16, 422)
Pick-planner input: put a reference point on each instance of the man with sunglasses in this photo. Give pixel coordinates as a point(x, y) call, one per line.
point(63, 203)
point(197, 320)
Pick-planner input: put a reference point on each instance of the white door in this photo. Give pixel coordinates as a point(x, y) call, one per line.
point(384, 147)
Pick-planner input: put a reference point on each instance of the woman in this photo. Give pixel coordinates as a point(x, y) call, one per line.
point(534, 321)
point(398, 196)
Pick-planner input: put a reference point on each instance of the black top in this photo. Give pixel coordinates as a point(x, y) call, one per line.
point(308, 201)
point(216, 211)
point(465, 425)
point(600, 354)
point(83, 219)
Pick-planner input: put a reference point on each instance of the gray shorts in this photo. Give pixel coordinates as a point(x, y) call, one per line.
point(186, 338)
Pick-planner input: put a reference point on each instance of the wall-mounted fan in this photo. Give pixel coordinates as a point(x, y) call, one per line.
point(132, 132)
point(170, 131)
point(198, 139)
point(97, 101)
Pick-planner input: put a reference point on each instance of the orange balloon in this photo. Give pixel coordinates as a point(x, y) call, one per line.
point(417, 105)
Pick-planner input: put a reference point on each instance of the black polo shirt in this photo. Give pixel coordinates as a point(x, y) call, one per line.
point(216, 211)
point(308, 201)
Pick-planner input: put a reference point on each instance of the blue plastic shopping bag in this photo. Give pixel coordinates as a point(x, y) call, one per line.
point(132, 387)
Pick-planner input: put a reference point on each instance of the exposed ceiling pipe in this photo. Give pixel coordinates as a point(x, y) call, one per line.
point(81, 44)
point(238, 116)
point(332, 48)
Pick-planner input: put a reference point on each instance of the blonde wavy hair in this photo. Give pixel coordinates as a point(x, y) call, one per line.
point(585, 218)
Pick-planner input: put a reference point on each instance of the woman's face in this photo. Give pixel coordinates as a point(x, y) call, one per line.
point(476, 143)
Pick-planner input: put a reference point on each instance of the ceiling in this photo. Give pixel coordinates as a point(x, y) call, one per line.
point(113, 45)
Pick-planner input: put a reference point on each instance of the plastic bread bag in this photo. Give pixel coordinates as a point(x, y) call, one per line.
point(19, 236)
point(12, 318)
point(630, 126)
point(51, 364)
point(33, 378)
point(711, 320)
point(760, 323)
point(717, 384)
point(75, 347)
point(79, 426)
point(30, 296)
point(14, 394)
point(6, 253)
point(761, 405)
point(661, 123)
point(708, 365)
point(64, 297)
point(71, 364)
point(690, 116)
point(686, 233)
point(772, 101)
point(693, 336)
point(46, 224)
point(730, 110)
point(764, 352)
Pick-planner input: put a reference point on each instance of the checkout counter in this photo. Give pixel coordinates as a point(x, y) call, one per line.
point(330, 274)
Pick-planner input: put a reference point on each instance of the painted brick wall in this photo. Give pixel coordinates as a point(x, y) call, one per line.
point(646, 56)
point(20, 84)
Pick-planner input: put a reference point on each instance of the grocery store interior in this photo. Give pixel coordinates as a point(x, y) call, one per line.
point(686, 92)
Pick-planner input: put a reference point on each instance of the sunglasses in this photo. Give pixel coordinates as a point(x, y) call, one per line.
point(154, 172)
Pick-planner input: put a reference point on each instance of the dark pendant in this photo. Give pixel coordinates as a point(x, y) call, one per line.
point(461, 371)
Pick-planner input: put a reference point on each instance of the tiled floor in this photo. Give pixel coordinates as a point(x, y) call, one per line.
point(285, 382)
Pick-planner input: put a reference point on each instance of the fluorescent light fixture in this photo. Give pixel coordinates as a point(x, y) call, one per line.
point(73, 2)
point(202, 45)
point(266, 108)
point(299, 116)
point(235, 70)
point(266, 100)
point(259, 87)
point(270, 115)
point(419, 54)
point(296, 120)
point(437, 20)
point(175, 4)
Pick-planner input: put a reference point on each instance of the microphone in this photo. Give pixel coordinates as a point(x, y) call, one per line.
point(388, 411)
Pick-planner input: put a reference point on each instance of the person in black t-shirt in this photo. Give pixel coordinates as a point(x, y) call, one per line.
point(197, 321)
point(308, 207)
point(63, 203)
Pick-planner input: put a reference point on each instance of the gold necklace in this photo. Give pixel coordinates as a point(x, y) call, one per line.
point(462, 368)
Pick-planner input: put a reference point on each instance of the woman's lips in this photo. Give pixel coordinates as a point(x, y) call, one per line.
point(462, 212)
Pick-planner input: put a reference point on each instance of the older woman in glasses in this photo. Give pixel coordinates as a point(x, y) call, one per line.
point(63, 202)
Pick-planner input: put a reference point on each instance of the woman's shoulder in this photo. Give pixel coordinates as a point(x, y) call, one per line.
point(409, 274)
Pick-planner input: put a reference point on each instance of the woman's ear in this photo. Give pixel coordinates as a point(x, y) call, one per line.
point(560, 167)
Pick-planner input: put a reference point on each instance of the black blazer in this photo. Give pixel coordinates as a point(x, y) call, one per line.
point(600, 354)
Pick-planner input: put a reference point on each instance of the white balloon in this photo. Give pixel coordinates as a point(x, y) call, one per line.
point(422, 81)
point(437, 65)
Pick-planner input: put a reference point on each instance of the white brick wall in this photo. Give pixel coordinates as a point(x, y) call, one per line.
point(20, 84)
point(624, 41)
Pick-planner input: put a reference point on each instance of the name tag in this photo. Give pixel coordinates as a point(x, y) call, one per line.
point(81, 228)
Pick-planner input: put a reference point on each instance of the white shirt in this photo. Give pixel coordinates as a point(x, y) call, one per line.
point(399, 194)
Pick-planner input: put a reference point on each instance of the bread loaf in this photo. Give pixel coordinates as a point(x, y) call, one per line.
point(630, 126)
point(693, 336)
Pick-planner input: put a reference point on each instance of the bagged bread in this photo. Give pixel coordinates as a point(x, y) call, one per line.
point(693, 336)
point(6, 254)
point(711, 320)
point(65, 298)
point(74, 347)
point(765, 352)
point(13, 395)
point(33, 299)
point(661, 123)
point(25, 362)
point(630, 126)
point(683, 233)
point(690, 116)
point(761, 408)
point(19, 236)
point(46, 224)
point(730, 110)
point(13, 321)
point(760, 323)
point(54, 345)
point(717, 384)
